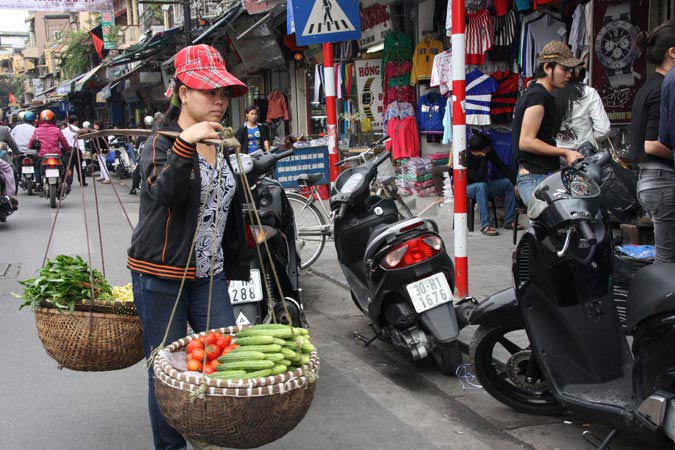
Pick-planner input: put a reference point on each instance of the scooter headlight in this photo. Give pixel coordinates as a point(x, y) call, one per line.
point(262, 233)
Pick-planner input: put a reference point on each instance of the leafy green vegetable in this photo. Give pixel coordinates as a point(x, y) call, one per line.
point(63, 282)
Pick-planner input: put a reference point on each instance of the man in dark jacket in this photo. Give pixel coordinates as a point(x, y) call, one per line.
point(479, 154)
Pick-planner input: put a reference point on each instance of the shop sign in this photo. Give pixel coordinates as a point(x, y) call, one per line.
point(369, 86)
point(618, 67)
point(107, 24)
point(304, 160)
point(320, 21)
point(375, 24)
point(58, 5)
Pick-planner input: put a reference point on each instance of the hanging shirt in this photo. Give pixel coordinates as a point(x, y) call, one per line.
point(423, 59)
point(479, 35)
point(318, 81)
point(441, 72)
point(523, 5)
point(505, 29)
point(501, 7)
point(447, 123)
point(405, 141)
point(539, 33)
point(479, 90)
point(398, 109)
point(208, 230)
point(505, 97)
point(402, 94)
point(578, 31)
point(430, 112)
point(277, 107)
point(537, 3)
point(397, 47)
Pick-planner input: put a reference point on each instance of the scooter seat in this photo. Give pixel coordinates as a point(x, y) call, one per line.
point(650, 293)
point(309, 178)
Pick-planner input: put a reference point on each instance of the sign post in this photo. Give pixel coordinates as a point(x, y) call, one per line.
point(459, 147)
point(325, 22)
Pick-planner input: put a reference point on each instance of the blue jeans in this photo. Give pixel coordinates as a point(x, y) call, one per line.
point(496, 188)
point(656, 192)
point(527, 184)
point(154, 299)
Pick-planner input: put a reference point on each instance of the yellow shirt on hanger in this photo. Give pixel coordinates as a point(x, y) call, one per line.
point(423, 59)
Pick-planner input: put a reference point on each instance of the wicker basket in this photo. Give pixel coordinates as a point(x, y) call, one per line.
point(90, 342)
point(233, 413)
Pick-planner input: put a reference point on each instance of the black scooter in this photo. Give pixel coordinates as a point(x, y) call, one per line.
point(399, 272)
point(253, 301)
point(578, 357)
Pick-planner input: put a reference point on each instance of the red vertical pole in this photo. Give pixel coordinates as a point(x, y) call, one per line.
point(331, 109)
point(459, 145)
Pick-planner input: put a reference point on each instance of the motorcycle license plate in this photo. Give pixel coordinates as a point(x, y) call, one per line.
point(246, 291)
point(429, 292)
point(49, 173)
point(28, 169)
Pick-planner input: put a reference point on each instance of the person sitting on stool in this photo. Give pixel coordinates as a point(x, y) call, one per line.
point(479, 189)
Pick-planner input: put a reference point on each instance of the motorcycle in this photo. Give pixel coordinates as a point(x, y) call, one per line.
point(399, 272)
point(53, 178)
point(121, 160)
point(27, 180)
point(254, 301)
point(7, 204)
point(578, 358)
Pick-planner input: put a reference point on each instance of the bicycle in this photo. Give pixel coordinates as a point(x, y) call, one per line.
point(314, 224)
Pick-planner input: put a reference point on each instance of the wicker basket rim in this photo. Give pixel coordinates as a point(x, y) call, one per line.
point(98, 302)
point(161, 364)
point(55, 311)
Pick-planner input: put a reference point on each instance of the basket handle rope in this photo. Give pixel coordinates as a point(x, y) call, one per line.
point(202, 208)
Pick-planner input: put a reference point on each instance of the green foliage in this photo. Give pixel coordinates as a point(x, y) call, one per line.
point(63, 282)
point(78, 55)
point(10, 84)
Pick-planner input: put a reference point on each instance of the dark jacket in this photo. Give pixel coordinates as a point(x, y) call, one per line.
point(169, 211)
point(241, 136)
point(477, 167)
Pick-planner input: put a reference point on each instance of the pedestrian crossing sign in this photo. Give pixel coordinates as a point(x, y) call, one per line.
point(320, 21)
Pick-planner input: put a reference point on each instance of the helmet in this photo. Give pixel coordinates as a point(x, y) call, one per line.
point(86, 124)
point(21, 115)
point(29, 116)
point(149, 121)
point(46, 115)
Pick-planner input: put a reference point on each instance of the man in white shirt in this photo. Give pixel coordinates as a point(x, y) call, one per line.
point(21, 133)
point(70, 132)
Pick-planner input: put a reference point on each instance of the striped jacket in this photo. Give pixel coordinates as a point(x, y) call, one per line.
point(168, 215)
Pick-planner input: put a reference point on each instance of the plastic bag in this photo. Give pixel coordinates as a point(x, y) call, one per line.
point(618, 188)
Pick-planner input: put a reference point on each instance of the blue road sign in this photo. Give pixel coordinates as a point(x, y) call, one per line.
point(319, 21)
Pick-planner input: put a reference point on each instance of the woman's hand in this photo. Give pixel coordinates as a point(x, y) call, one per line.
point(200, 131)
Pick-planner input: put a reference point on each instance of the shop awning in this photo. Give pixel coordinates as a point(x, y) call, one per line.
point(79, 85)
point(231, 14)
point(124, 76)
point(148, 48)
point(62, 88)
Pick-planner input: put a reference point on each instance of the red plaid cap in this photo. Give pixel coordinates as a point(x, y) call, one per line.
point(201, 67)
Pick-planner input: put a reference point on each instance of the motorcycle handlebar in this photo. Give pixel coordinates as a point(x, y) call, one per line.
point(342, 210)
point(587, 233)
point(283, 155)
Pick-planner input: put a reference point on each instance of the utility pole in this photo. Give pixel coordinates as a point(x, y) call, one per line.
point(187, 19)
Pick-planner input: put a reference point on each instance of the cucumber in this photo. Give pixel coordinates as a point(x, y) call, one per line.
point(288, 353)
point(279, 341)
point(255, 340)
point(233, 356)
point(307, 348)
point(301, 331)
point(246, 364)
point(228, 374)
point(258, 374)
point(269, 348)
point(277, 333)
point(304, 359)
point(278, 369)
point(284, 362)
point(274, 356)
point(270, 326)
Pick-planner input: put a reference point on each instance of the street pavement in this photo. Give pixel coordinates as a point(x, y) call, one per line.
point(367, 397)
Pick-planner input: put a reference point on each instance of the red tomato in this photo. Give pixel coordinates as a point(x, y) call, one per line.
point(208, 370)
point(211, 338)
point(215, 363)
point(212, 352)
point(188, 357)
point(194, 366)
point(224, 341)
point(193, 345)
point(219, 334)
point(228, 349)
point(198, 354)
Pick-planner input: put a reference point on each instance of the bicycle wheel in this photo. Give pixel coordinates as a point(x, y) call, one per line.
point(310, 225)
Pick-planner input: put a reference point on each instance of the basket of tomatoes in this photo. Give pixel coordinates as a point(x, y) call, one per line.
point(83, 323)
point(238, 387)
